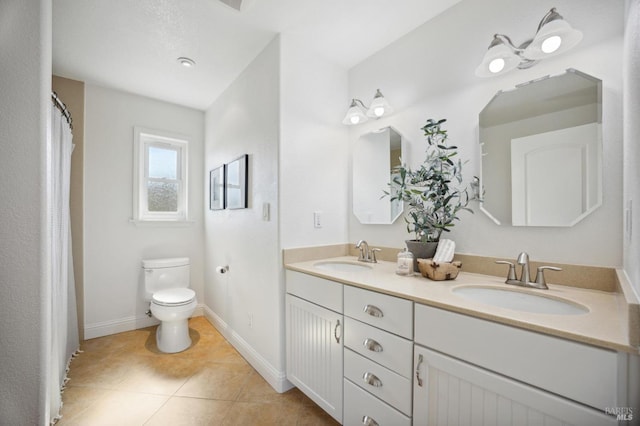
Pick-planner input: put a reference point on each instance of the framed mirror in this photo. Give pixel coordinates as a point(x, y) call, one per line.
point(375, 155)
point(541, 147)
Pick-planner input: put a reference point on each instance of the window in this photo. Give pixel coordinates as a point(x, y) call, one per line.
point(160, 183)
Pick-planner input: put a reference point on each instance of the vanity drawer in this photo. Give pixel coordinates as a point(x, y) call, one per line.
point(577, 371)
point(316, 290)
point(359, 404)
point(380, 346)
point(389, 313)
point(390, 387)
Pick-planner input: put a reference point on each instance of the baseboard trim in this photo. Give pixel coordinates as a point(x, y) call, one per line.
point(106, 328)
point(276, 378)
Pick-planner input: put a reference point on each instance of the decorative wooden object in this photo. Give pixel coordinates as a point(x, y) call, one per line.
point(439, 271)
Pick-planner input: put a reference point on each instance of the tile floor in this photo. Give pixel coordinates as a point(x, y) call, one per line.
point(124, 380)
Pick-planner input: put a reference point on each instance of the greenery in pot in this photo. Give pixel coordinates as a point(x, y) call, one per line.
point(433, 191)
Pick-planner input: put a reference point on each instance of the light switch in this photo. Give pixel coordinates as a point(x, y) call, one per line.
point(317, 219)
point(266, 212)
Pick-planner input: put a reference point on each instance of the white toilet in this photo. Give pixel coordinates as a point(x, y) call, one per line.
point(166, 285)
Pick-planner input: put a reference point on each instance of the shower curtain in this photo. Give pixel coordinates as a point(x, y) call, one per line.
point(63, 320)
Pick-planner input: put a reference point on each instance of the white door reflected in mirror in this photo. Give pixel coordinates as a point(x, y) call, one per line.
point(542, 151)
point(559, 168)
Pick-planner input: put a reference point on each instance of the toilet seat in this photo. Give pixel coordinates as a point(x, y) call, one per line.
point(173, 297)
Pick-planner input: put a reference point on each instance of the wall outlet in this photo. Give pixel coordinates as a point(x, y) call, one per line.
point(317, 219)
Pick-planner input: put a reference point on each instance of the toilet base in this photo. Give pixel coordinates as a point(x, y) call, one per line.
point(173, 336)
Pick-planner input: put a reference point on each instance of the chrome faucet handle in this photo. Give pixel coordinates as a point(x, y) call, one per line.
point(540, 280)
point(373, 254)
point(511, 276)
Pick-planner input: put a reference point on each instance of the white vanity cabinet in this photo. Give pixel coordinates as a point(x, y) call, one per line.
point(369, 358)
point(314, 333)
point(470, 370)
point(378, 357)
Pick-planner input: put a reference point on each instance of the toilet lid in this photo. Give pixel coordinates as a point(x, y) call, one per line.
point(174, 296)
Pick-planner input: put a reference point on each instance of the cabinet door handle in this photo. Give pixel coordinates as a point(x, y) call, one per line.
point(335, 331)
point(368, 421)
point(374, 311)
point(372, 379)
point(372, 345)
point(418, 379)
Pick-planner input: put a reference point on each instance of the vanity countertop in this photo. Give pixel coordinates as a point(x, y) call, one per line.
point(604, 325)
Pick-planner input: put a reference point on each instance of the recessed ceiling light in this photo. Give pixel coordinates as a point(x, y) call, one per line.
point(186, 62)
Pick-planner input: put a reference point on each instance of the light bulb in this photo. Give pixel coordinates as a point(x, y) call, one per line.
point(496, 65)
point(378, 111)
point(355, 119)
point(551, 44)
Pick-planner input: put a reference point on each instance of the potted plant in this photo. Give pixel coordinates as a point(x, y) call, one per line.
point(433, 191)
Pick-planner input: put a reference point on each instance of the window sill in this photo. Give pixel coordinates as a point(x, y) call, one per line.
point(162, 223)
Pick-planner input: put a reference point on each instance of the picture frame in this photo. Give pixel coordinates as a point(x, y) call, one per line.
point(217, 188)
point(236, 183)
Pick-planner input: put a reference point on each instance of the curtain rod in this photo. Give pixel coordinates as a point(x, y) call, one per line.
point(62, 107)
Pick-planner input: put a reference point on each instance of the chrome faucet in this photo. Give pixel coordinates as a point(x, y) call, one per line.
point(366, 254)
point(525, 277)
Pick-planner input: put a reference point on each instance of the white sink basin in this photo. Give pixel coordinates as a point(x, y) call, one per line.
point(339, 266)
point(520, 301)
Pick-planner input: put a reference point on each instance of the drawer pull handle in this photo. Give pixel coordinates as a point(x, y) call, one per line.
point(368, 421)
point(372, 379)
point(418, 378)
point(374, 311)
point(335, 331)
point(372, 345)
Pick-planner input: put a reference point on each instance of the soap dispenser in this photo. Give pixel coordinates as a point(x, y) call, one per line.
point(405, 263)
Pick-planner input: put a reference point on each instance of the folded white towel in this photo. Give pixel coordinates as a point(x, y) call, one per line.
point(445, 251)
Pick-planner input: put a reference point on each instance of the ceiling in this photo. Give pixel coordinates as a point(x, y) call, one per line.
point(133, 45)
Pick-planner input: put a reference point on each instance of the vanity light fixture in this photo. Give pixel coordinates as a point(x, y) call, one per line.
point(553, 37)
point(359, 113)
point(186, 62)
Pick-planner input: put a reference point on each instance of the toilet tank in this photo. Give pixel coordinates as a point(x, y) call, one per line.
point(162, 274)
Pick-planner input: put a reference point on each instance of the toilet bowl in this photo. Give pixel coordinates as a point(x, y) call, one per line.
point(170, 300)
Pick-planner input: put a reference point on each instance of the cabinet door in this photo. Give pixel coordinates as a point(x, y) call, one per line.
point(447, 391)
point(314, 353)
point(580, 372)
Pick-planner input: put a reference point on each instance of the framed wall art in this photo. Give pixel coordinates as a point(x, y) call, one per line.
point(235, 183)
point(217, 188)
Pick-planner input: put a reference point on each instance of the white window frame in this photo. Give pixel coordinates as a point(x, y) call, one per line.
point(143, 140)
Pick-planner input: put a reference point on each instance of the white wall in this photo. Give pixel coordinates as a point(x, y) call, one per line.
point(284, 111)
point(25, 85)
point(114, 247)
point(246, 302)
point(314, 159)
point(632, 142)
point(429, 74)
